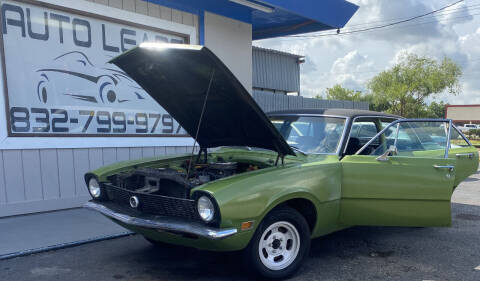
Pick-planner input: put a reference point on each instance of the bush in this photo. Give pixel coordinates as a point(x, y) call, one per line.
point(473, 133)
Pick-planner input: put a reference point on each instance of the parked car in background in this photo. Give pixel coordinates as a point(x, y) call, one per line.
point(274, 181)
point(468, 127)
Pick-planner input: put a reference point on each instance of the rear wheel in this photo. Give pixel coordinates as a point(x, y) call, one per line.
point(279, 245)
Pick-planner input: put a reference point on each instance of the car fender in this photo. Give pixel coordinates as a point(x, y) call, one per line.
point(250, 196)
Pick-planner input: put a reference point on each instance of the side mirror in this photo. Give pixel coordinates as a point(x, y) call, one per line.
point(392, 150)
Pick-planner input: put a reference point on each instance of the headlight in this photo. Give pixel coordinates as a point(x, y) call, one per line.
point(205, 207)
point(94, 188)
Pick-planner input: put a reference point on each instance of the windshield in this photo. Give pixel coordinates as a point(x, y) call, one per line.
point(311, 134)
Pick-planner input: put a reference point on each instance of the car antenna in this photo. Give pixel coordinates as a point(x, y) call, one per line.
point(199, 124)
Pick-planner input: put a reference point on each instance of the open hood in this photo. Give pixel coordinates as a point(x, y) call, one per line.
point(179, 77)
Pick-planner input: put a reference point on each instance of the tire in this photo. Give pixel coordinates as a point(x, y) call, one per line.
point(282, 256)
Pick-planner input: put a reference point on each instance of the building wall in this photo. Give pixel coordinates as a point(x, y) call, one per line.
point(273, 102)
point(35, 180)
point(231, 41)
point(46, 173)
point(275, 71)
point(463, 114)
point(152, 10)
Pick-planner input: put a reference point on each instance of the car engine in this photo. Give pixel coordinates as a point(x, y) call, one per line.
point(173, 182)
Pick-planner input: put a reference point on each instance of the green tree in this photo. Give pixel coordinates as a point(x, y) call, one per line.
point(404, 88)
point(435, 110)
point(337, 92)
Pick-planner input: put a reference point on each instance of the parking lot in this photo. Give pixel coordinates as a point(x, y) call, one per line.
point(358, 253)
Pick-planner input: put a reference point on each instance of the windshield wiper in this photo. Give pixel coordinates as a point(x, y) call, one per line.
point(299, 150)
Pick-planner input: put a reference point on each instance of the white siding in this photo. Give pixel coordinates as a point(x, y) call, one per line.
point(151, 9)
point(36, 180)
point(47, 179)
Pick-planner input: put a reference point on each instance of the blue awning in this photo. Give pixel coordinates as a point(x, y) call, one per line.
point(294, 17)
point(274, 18)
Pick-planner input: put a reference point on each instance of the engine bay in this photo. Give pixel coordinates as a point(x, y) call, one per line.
point(172, 180)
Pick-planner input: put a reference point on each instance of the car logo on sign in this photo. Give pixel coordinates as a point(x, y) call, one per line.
point(134, 202)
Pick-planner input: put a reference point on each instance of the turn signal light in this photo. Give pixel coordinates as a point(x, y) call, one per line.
point(247, 225)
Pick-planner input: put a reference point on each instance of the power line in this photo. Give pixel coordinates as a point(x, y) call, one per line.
point(446, 12)
point(381, 26)
point(303, 37)
point(439, 17)
point(427, 22)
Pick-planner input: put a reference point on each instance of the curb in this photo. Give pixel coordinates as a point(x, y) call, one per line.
point(63, 245)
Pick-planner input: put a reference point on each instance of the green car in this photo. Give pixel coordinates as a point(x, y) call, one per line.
point(267, 184)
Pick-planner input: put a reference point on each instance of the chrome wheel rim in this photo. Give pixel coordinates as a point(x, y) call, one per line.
point(279, 245)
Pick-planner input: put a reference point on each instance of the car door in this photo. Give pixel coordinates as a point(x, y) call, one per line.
point(465, 153)
point(412, 187)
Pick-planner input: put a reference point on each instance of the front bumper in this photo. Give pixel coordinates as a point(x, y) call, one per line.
point(167, 224)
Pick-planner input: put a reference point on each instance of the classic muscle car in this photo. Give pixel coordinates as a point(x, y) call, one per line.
point(268, 183)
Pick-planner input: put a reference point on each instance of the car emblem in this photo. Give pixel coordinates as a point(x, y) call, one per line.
point(134, 202)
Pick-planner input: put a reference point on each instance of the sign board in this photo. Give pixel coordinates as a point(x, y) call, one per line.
point(59, 81)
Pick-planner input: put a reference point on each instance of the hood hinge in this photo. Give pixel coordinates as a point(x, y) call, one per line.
point(280, 156)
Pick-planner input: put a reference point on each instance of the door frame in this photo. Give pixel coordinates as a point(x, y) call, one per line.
point(397, 123)
point(437, 214)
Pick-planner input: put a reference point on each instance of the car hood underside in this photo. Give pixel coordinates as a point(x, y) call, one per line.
point(186, 80)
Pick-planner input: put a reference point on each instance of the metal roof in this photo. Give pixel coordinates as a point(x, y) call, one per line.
point(275, 70)
point(273, 51)
point(277, 17)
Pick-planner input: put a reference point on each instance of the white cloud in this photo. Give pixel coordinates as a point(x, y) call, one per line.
point(354, 59)
point(349, 70)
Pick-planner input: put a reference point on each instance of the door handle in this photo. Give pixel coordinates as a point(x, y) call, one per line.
point(450, 168)
point(465, 155)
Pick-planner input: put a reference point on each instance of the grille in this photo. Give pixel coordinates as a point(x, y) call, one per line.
point(154, 204)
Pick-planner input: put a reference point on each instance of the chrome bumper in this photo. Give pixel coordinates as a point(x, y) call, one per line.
point(167, 224)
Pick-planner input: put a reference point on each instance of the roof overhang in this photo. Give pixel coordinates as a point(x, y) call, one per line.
point(274, 18)
point(295, 17)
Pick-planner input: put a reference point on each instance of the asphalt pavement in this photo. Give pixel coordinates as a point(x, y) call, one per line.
point(358, 253)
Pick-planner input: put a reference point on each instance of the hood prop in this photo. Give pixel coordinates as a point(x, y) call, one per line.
point(198, 127)
point(280, 156)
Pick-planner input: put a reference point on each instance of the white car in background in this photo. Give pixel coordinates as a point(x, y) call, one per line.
point(468, 127)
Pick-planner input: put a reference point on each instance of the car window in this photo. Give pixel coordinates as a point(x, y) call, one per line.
point(413, 139)
point(456, 140)
point(364, 129)
point(311, 134)
point(390, 130)
point(354, 130)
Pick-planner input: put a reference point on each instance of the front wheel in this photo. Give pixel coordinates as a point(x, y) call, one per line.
point(279, 245)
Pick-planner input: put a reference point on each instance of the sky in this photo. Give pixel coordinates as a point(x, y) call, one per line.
point(353, 59)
